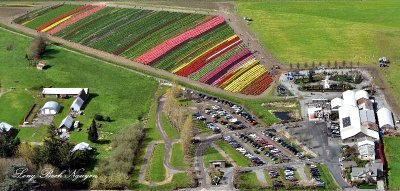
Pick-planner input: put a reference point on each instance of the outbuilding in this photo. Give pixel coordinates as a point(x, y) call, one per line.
point(385, 118)
point(336, 103)
point(5, 127)
point(81, 147)
point(66, 124)
point(50, 108)
point(77, 104)
point(349, 98)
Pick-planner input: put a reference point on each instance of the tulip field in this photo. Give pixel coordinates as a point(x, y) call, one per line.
point(200, 47)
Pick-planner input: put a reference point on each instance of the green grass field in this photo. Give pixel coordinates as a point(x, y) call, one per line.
point(171, 131)
point(239, 159)
point(249, 181)
point(307, 31)
point(177, 157)
point(32, 134)
point(211, 154)
point(393, 159)
point(156, 170)
point(117, 93)
point(326, 176)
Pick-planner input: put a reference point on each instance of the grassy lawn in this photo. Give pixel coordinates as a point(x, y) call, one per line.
point(249, 181)
point(177, 157)
point(171, 131)
point(239, 159)
point(393, 159)
point(115, 92)
point(211, 154)
point(156, 170)
point(32, 134)
point(326, 176)
point(306, 31)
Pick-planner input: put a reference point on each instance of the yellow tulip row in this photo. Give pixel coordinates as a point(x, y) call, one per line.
point(26, 22)
point(184, 65)
point(56, 23)
point(247, 78)
point(246, 66)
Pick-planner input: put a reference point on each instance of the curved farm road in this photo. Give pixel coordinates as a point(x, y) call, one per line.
point(7, 20)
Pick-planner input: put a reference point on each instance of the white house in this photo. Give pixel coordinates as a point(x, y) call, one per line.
point(5, 127)
point(50, 108)
point(366, 148)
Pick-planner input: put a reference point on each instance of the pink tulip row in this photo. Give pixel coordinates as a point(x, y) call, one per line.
point(75, 19)
point(224, 65)
point(232, 69)
point(168, 45)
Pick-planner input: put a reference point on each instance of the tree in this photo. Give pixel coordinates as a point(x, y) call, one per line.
point(313, 65)
point(298, 65)
point(336, 64)
point(26, 151)
point(93, 136)
point(8, 145)
point(37, 47)
point(328, 64)
point(320, 64)
point(343, 63)
point(10, 183)
point(305, 65)
point(186, 135)
point(290, 66)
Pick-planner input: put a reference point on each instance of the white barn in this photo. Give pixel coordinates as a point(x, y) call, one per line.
point(336, 103)
point(77, 104)
point(385, 118)
point(50, 108)
point(361, 94)
point(66, 124)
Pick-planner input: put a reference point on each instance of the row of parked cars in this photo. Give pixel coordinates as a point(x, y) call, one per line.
point(209, 124)
point(315, 176)
point(335, 130)
point(256, 161)
point(261, 145)
point(292, 149)
point(228, 120)
point(289, 173)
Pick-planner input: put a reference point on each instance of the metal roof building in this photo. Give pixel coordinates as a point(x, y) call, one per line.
point(77, 104)
point(385, 118)
point(50, 108)
point(67, 123)
point(5, 127)
point(336, 103)
point(361, 94)
point(64, 91)
point(350, 124)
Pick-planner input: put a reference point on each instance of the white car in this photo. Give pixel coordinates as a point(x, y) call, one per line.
point(76, 124)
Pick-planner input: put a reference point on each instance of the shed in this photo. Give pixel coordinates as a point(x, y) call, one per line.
point(50, 108)
point(41, 65)
point(66, 123)
point(217, 164)
point(385, 118)
point(77, 104)
point(5, 127)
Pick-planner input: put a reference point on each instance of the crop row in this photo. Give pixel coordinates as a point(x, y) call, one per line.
point(217, 80)
point(246, 78)
point(217, 62)
point(25, 19)
point(168, 45)
point(259, 85)
point(161, 35)
point(45, 27)
point(174, 59)
point(49, 15)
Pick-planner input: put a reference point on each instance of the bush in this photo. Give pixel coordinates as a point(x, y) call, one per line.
point(98, 117)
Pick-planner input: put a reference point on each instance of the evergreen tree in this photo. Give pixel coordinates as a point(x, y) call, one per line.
point(93, 136)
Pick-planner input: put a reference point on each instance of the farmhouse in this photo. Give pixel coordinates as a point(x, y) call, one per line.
point(66, 124)
point(5, 127)
point(370, 173)
point(50, 108)
point(64, 92)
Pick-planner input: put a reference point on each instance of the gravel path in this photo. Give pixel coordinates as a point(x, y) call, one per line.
point(261, 177)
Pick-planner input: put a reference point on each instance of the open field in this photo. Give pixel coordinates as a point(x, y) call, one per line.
point(201, 47)
point(69, 69)
point(393, 159)
point(248, 181)
point(307, 31)
point(177, 157)
point(210, 154)
point(171, 131)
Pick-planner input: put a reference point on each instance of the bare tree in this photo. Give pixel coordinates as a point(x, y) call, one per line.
point(328, 64)
point(186, 134)
point(305, 65)
point(313, 65)
point(290, 66)
point(37, 47)
point(336, 64)
point(298, 65)
point(343, 64)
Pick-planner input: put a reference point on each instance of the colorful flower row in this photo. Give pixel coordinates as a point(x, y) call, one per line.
point(63, 16)
point(233, 70)
point(245, 79)
point(207, 56)
point(259, 85)
point(168, 45)
point(56, 23)
point(75, 19)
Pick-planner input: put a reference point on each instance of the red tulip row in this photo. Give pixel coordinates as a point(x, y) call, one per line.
point(45, 25)
point(225, 66)
point(75, 19)
point(208, 56)
point(258, 86)
point(168, 45)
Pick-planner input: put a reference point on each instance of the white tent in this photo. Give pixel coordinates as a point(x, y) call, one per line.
point(336, 103)
point(385, 118)
point(361, 94)
point(5, 127)
point(81, 146)
point(349, 98)
point(50, 108)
